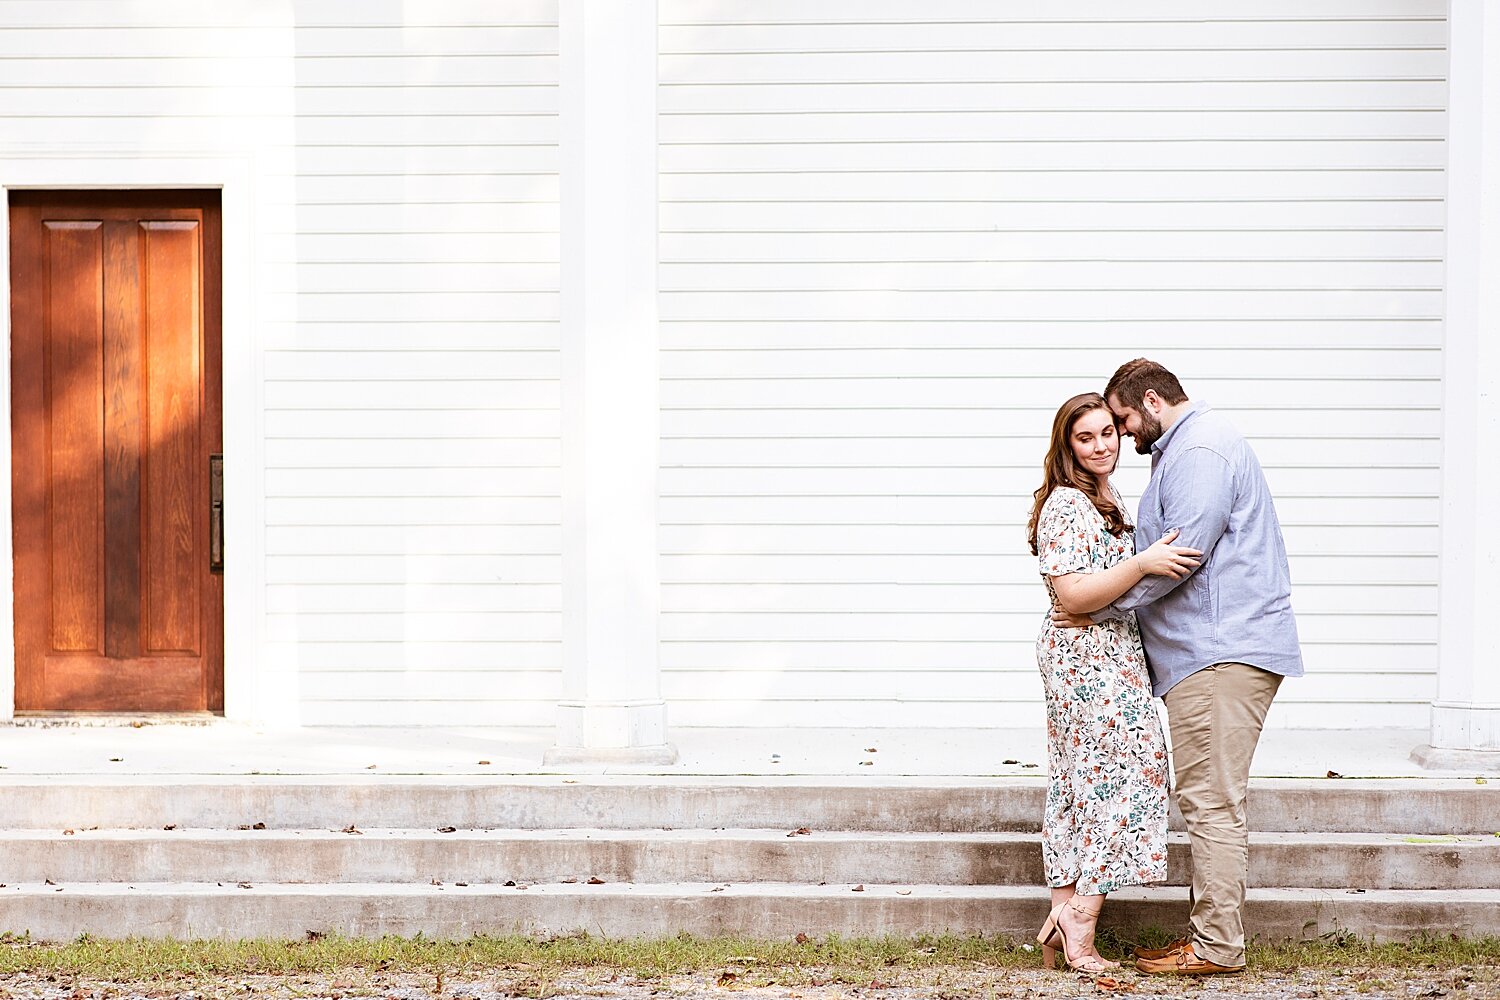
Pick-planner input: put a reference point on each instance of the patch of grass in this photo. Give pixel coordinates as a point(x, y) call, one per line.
point(540, 961)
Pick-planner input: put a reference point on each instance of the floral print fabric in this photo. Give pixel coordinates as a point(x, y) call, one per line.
point(1106, 816)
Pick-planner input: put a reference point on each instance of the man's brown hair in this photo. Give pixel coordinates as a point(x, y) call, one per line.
point(1131, 380)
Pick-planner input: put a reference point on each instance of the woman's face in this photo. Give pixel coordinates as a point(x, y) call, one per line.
point(1095, 445)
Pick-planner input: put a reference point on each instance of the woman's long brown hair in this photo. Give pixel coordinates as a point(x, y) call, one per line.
point(1061, 469)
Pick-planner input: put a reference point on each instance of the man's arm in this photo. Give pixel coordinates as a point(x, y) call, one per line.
point(1197, 493)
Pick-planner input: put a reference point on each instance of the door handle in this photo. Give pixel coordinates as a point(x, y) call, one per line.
point(216, 513)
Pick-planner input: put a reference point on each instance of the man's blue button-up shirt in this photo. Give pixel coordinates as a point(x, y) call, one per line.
point(1236, 607)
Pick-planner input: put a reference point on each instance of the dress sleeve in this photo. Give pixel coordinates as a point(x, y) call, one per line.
point(1065, 534)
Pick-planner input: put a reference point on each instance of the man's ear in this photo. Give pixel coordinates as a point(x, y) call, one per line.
point(1151, 401)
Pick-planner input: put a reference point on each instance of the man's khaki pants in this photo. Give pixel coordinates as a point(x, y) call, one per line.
point(1216, 716)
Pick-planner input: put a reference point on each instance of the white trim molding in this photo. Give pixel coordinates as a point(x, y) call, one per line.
point(1466, 711)
point(611, 710)
point(249, 694)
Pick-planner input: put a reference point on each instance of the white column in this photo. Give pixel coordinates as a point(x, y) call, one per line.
point(611, 709)
point(1466, 713)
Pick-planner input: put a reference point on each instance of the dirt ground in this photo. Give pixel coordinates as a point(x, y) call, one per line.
point(1453, 983)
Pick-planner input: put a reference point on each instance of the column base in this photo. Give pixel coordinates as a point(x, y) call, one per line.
point(1471, 726)
point(611, 733)
point(1444, 759)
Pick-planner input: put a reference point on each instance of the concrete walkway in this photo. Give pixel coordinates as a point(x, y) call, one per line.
point(32, 750)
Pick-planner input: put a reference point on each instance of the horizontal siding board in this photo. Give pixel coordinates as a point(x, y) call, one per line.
point(1076, 95)
point(1243, 246)
point(964, 12)
point(412, 568)
point(1038, 362)
point(1000, 185)
point(412, 511)
point(1138, 37)
point(922, 211)
point(518, 626)
point(461, 598)
point(1100, 64)
point(424, 539)
point(989, 152)
point(428, 219)
point(401, 395)
point(415, 454)
point(448, 423)
point(447, 482)
point(1183, 339)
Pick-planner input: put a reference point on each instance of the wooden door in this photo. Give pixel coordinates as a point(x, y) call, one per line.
point(115, 412)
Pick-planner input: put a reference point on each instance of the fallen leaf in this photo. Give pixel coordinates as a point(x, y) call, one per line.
point(170, 826)
point(1109, 984)
point(371, 767)
point(246, 885)
point(903, 892)
point(1010, 761)
point(569, 881)
point(595, 880)
point(802, 938)
point(727, 978)
point(351, 829)
point(876, 984)
point(67, 833)
point(464, 884)
point(801, 831)
point(1481, 781)
point(485, 762)
point(116, 760)
point(510, 882)
point(1334, 774)
point(1355, 890)
point(871, 750)
point(314, 935)
point(49, 882)
point(858, 888)
point(258, 826)
point(1029, 765)
point(447, 829)
point(717, 888)
point(866, 763)
point(436, 881)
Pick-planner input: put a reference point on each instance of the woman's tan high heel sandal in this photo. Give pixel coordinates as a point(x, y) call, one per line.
point(1050, 937)
point(1082, 963)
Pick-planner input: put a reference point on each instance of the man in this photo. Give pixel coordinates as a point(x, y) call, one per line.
point(1219, 641)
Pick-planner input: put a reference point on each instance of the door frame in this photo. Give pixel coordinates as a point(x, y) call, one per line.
point(249, 695)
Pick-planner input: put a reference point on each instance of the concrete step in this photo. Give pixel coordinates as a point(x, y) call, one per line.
point(766, 910)
point(1317, 861)
point(1450, 806)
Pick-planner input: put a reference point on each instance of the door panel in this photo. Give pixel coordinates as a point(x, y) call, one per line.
point(115, 411)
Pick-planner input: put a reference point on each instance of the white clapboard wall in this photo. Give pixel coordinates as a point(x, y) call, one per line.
point(412, 445)
point(897, 234)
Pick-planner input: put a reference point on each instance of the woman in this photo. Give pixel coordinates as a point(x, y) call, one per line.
point(1106, 816)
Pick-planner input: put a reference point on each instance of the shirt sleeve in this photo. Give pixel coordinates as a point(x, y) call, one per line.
point(1064, 537)
point(1197, 494)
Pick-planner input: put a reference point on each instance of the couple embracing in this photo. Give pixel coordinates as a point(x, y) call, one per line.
point(1191, 604)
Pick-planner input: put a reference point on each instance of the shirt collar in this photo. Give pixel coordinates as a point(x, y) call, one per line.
point(1161, 443)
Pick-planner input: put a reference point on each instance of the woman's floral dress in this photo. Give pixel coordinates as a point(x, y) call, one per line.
point(1106, 820)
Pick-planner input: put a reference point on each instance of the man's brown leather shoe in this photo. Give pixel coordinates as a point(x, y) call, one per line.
point(1184, 963)
point(1175, 946)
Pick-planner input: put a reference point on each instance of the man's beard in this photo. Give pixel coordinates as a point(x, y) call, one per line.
point(1149, 434)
